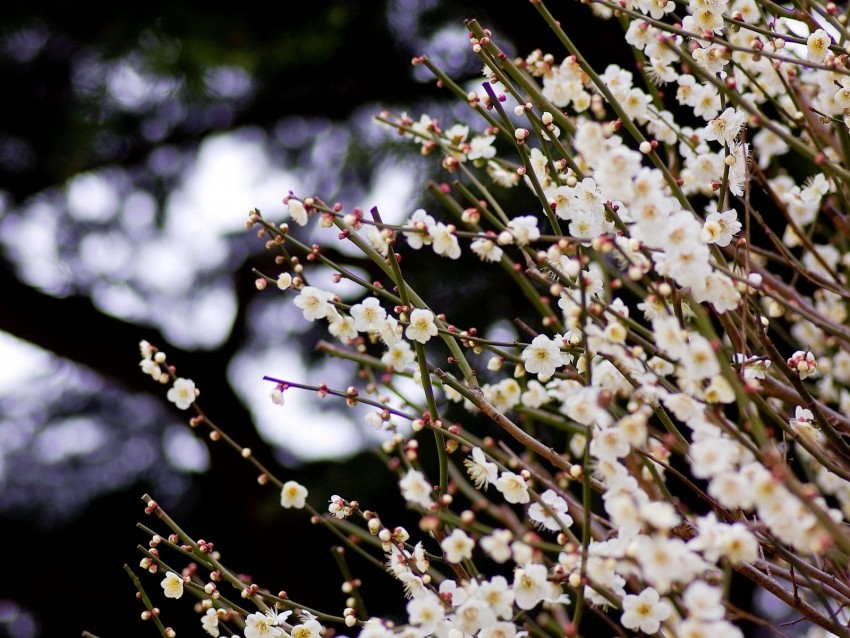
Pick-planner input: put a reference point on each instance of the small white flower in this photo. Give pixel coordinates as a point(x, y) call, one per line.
point(209, 621)
point(817, 46)
point(543, 357)
point(415, 489)
point(314, 302)
point(182, 393)
point(531, 585)
point(498, 545)
point(172, 585)
point(297, 212)
point(260, 625)
point(426, 612)
point(457, 546)
point(310, 628)
point(445, 241)
point(645, 611)
point(481, 147)
point(293, 494)
point(369, 315)
point(422, 326)
point(513, 487)
point(558, 505)
point(481, 471)
point(284, 280)
point(524, 229)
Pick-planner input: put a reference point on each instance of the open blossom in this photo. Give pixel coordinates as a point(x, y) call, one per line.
point(209, 622)
point(720, 228)
point(172, 585)
point(542, 357)
point(426, 612)
point(182, 393)
point(368, 315)
point(481, 471)
point(457, 546)
point(415, 489)
point(531, 585)
point(314, 303)
point(297, 212)
point(486, 249)
point(293, 495)
point(726, 127)
point(498, 545)
point(260, 625)
point(481, 147)
point(524, 229)
point(513, 487)
point(557, 505)
point(422, 326)
point(310, 628)
point(445, 241)
point(422, 222)
point(645, 612)
point(817, 46)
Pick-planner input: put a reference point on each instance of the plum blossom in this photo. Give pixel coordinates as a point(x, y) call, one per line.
point(422, 326)
point(172, 585)
point(645, 612)
point(293, 494)
point(182, 393)
point(481, 471)
point(543, 357)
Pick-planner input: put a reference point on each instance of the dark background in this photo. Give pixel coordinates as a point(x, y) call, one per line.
point(307, 86)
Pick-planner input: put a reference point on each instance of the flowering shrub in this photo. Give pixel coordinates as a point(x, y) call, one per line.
point(671, 408)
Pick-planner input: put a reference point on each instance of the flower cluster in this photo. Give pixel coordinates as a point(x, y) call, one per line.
point(670, 411)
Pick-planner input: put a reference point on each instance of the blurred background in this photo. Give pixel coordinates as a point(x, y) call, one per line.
point(133, 143)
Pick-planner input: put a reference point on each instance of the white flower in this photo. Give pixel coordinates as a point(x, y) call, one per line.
point(645, 611)
point(422, 326)
point(426, 612)
point(284, 280)
point(415, 489)
point(524, 229)
point(498, 594)
point(817, 46)
point(481, 147)
point(457, 546)
point(368, 315)
point(182, 393)
point(473, 615)
point(260, 625)
point(310, 628)
point(172, 585)
point(513, 487)
point(704, 601)
point(725, 128)
point(481, 471)
point(399, 356)
point(422, 222)
point(297, 212)
point(445, 241)
point(293, 494)
point(530, 585)
point(486, 249)
point(209, 621)
point(314, 302)
point(542, 357)
point(498, 545)
point(558, 505)
point(720, 228)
